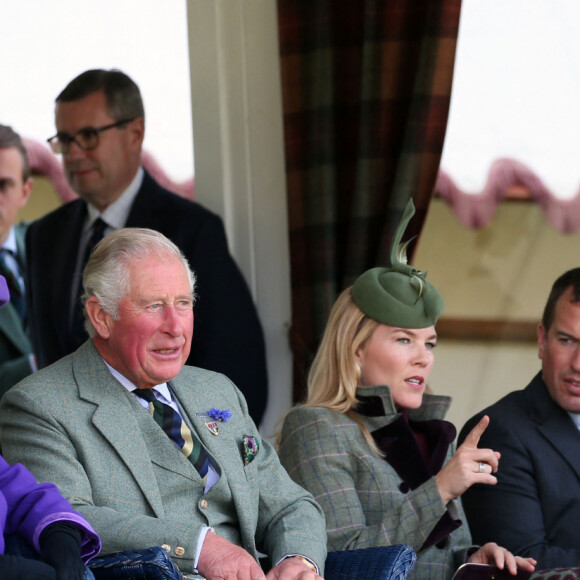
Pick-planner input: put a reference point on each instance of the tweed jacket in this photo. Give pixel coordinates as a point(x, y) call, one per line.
point(534, 509)
point(15, 346)
point(367, 500)
point(228, 336)
point(72, 423)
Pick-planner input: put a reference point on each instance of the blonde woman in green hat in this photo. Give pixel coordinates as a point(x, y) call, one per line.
point(369, 443)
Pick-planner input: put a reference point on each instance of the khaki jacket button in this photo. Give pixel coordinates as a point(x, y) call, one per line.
point(203, 503)
point(166, 547)
point(179, 551)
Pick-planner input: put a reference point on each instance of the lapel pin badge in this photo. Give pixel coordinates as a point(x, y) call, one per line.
point(216, 415)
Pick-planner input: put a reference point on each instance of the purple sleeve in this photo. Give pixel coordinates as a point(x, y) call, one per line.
point(32, 506)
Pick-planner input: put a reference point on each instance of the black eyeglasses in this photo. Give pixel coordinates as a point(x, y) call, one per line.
point(86, 139)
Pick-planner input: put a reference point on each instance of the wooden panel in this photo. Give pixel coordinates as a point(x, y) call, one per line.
point(487, 330)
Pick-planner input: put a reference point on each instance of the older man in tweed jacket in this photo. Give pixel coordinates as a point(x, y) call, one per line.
point(80, 424)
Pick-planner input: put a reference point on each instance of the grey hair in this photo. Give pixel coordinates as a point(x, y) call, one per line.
point(107, 273)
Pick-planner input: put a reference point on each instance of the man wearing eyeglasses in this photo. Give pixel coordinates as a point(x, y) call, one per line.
point(16, 359)
point(100, 123)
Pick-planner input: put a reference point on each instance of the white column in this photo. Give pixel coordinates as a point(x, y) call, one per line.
point(239, 160)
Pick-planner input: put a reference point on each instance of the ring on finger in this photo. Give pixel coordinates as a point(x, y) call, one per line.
point(482, 467)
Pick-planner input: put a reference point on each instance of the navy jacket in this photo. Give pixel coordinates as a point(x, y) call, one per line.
point(534, 509)
point(227, 336)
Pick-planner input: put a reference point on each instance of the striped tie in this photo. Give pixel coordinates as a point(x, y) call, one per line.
point(177, 430)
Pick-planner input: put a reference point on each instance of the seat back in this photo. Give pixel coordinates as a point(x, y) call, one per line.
point(382, 563)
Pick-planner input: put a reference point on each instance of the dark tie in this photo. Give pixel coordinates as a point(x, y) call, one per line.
point(17, 297)
point(78, 332)
point(178, 431)
point(97, 234)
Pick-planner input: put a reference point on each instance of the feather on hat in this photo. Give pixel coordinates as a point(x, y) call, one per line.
point(400, 295)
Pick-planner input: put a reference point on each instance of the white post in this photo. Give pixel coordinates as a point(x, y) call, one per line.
point(239, 160)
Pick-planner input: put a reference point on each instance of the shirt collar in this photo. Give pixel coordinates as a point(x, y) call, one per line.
point(163, 389)
point(116, 214)
point(576, 418)
point(10, 243)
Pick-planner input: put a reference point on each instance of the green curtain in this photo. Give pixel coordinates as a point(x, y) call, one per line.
point(366, 88)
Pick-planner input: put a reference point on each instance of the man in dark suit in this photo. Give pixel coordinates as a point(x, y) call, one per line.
point(16, 360)
point(100, 124)
point(534, 509)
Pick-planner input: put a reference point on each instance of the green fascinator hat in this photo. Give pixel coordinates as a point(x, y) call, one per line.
point(400, 295)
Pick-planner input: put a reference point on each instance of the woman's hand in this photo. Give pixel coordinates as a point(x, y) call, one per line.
point(496, 555)
point(468, 465)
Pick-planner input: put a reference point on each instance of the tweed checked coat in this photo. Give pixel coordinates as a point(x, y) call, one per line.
point(369, 501)
point(73, 424)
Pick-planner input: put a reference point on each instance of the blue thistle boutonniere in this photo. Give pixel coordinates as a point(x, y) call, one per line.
point(218, 415)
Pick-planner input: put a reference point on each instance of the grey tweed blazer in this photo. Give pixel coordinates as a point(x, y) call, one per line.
point(365, 500)
point(73, 424)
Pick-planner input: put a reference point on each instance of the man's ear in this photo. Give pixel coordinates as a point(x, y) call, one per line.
point(136, 133)
point(98, 317)
point(26, 189)
point(542, 338)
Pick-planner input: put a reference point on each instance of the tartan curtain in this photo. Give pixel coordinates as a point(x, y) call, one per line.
point(366, 87)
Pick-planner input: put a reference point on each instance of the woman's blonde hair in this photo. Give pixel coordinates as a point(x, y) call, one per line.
point(335, 373)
